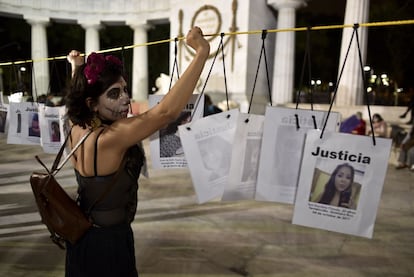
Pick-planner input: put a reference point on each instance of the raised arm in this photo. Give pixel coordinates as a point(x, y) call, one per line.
point(132, 130)
point(75, 59)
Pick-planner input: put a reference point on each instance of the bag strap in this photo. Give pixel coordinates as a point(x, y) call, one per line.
point(56, 166)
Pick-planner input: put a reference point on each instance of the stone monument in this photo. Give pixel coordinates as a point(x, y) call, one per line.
point(241, 52)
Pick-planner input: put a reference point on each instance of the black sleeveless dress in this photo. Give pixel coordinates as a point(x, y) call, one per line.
point(107, 249)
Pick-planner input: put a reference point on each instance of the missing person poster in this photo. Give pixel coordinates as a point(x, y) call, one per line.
point(50, 128)
point(241, 184)
point(3, 118)
point(165, 145)
point(207, 146)
point(24, 125)
point(340, 183)
point(283, 139)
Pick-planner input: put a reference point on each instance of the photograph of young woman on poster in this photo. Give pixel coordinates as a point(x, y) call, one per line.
point(339, 188)
point(54, 131)
point(34, 127)
point(216, 153)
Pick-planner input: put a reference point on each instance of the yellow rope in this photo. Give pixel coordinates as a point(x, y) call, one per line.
point(298, 29)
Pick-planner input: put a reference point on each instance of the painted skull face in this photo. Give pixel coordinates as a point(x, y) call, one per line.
point(113, 104)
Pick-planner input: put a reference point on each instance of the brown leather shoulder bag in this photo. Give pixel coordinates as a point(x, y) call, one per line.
point(58, 211)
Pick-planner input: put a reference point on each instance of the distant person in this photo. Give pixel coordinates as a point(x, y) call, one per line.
point(49, 100)
point(409, 108)
point(360, 129)
point(354, 125)
point(406, 156)
point(338, 189)
point(46, 99)
point(379, 125)
point(209, 107)
point(40, 99)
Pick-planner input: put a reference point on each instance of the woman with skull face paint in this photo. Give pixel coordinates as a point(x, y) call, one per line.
point(98, 100)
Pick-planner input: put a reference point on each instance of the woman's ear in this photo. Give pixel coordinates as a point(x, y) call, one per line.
point(91, 104)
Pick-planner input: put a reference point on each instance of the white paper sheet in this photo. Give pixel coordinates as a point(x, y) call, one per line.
point(320, 158)
point(207, 146)
point(244, 166)
point(165, 145)
point(281, 151)
point(24, 123)
point(50, 128)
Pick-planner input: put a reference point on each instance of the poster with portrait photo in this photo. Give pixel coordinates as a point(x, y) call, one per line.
point(207, 145)
point(4, 120)
point(283, 138)
point(340, 182)
point(241, 184)
point(165, 145)
point(50, 128)
point(24, 125)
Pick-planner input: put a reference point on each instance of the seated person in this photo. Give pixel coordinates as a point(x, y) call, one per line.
point(406, 157)
point(379, 125)
point(353, 124)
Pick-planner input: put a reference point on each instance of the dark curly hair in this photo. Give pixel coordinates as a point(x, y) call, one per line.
point(78, 111)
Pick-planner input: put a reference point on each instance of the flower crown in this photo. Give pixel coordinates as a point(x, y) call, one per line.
point(96, 63)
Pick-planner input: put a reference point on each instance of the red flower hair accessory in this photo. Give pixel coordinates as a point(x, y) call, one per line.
point(114, 60)
point(94, 66)
point(96, 63)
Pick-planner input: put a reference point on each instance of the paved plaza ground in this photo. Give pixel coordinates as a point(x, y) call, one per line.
point(175, 236)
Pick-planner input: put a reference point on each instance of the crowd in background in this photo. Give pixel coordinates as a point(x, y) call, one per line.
point(403, 140)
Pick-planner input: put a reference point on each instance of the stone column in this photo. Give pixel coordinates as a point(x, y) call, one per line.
point(140, 62)
point(40, 74)
point(91, 36)
point(351, 89)
point(283, 70)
